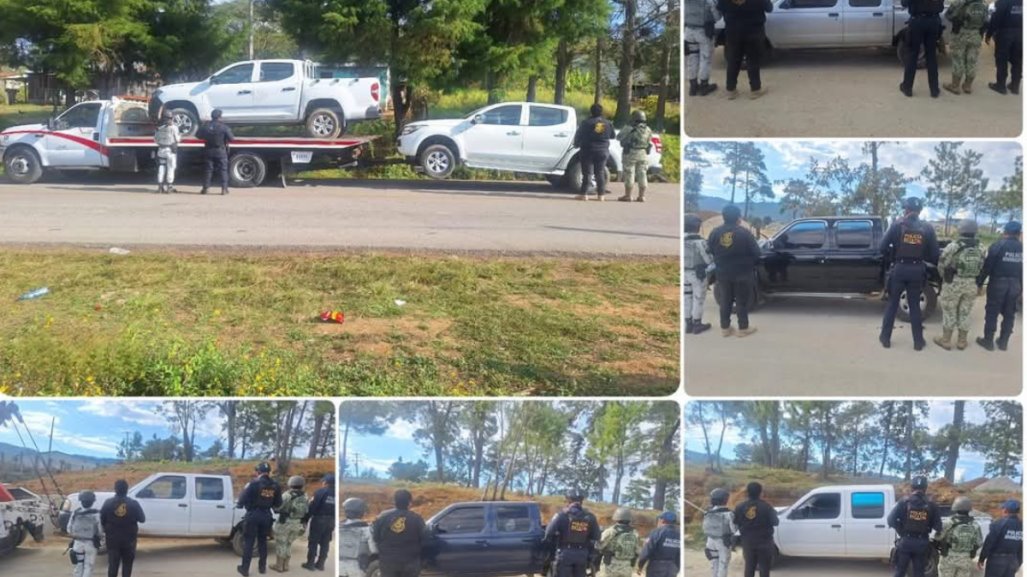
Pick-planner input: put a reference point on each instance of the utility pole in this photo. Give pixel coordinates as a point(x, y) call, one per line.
point(251, 31)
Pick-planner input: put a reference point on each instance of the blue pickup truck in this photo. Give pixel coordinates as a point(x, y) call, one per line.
point(483, 539)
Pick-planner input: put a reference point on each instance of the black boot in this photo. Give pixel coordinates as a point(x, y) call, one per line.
point(689, 325)
point(1000, 88)
point(309, 565)
point(885, 340)
point(203, 190)
point(986, 342)
point(700, 327)
point(1014, 87)
point(242, 571)
point(224, 191)
point(705, 88)
point(693, 87)
point(1002, 341)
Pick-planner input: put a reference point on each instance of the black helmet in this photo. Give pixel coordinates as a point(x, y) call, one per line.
point(731, 213)
point(354, 508)
point(962, 505)
point(692, 223)
point(263, 468)
point(87, 498)
point(968, 227)
point(297, 482)
point(912, 204)
point(719, 496)
point(575, 496)
point(919, 483)
point(638, 116)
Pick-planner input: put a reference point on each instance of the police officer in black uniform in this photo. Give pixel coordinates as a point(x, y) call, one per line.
point(1003, 269)
point(756, 520)
point(908, 244)
point(259, 497)
point(913, 518)
point(1003, 547)
point(120, 517)
point(661, 554)
point(216, 137)
point(400, 534)
point(923, 30)
point(735, 254)
point(322, 524)
point(1006, 27)
point(593, 141)
point(574, 531)
point(744, 39)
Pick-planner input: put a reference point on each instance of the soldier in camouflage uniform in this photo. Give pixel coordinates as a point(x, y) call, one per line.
point(969, 18)
point(355, 543)
point(619, 546)
point(290, 525)
point(960, 263)
point(634, 141)
point(959, 542)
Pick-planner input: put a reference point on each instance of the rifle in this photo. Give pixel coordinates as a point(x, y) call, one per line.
point(696, 507)
point(594, 562)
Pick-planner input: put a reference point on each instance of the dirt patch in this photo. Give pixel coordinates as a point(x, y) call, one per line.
point(379, 337)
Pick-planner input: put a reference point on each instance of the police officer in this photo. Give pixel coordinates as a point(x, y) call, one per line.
point(1003, 269)
point(291, 516)
point(399, 535)
point(618, 546)
point(1003, 549)
point(84, 529)
point(120, 517)
point(593, 142)
point(1006, 27)
point(635, 143)
point(923, 30)
point(718, 525)
point(167, 139)
point(908, 244)
point(574, 531)
point(697, 260)
point(736, 254)
point(913, 518)
point(960, 263)
point(259, 497)
point(216, 137)
point(959, 541)
point(322, 524)
point(744, 39)
point(756, 520)
point(700, 29)
point(355, 543)
point(661, 554)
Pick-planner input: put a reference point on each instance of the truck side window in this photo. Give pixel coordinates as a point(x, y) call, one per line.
point(804, 235)
point(865, 3)
point(513, 520)
point(83, 115)
point(503, 115)
point(799, 4)
point(854, 234)
point(867, 505)
point(210, 489)
point(822, 506)
point(275, 71)
point(545, 116)
point(238, 74)
point(166, 487)
point(463, 520)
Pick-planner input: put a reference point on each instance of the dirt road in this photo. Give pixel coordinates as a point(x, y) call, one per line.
point(696, 565)
point(154, 558)
point(512, 217)
point(827, 93)
point(829, 347)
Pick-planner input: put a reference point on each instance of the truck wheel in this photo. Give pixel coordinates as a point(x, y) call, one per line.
point(22, 165)
point(573, 179)
point(237, 542)
point(373, 570)
point(186, 121)
point(324, 123)
point(246, 170)
point(928, 303)
point(438, 161)
point(900, 51)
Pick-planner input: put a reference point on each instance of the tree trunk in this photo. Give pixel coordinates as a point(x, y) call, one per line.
point(955, 439)
point(492, 87)
point(598, 92)
point(666, 456)
point(889, 414)
point(228, 407)
point(315, 438)
point(532, 88)
point(563, 63)
point(669, 40)
point(627, 64)
point(909, 440)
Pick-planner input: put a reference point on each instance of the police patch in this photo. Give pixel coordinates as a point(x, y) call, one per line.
point(399, 525)
point(727, 239)
point(600, 127)
point(750, 513)
point(912, 238)
point(121, 510)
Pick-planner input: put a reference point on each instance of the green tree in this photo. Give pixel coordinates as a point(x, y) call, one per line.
point(954, 178)
point(369, 418)
point(1000, 438)
point(576, 25)
point(408, 472)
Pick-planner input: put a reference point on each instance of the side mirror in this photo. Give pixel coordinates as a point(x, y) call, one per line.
point(436, 529)
point(213, 80)
point(51, 123)
point(785, 5)
point(478, 119)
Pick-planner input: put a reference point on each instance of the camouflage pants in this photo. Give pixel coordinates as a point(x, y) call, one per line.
point(285, 534)
point(617, 568)
point(964, 49)
point(957, 565)
point(636, 165)
point(957, 300)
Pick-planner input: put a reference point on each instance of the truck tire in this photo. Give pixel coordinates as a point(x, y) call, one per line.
point(237, 542)
point(573, 177)
point(373, 570)
point(438, 161)
point(557, 180)
point(246, 170)
point(22, 165)
point(186, 120)
point(928, 303)
point(900, 51)
point(324, 123)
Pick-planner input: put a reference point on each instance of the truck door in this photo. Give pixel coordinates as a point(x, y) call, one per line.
point(211, 507)
point(866, 532)
point(868, 22)
point(277, 92)
point(796, 258)
point(231, 90)
point(496, 139)
point(806, 24)
point(460, 544)
point(516, 540)
point(547, 137)
point(165, 501)
point(814, 528)
point(854, 263)
point(75, 139)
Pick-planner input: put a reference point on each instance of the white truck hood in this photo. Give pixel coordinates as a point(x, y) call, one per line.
point(438, 123)
point(24, 127)
point(181, 90)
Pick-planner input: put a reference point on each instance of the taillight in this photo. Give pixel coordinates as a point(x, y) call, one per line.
point(376, 91)
point(657, 144)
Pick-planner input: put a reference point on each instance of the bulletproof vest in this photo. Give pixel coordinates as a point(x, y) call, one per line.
point(666, 544)
point(625, 543)
point(326, 508)
point(639, 138)
point(916, 518)
point(963, 536)
point(695, 13)
point(400, 533)
point(1012, 536)
point(911, 241)
point(353, 540)
point(165, 135)
point(578, 528)
point(693, 249)
point(295, 505)
point(83, 524)
point(974, 15)
point(969, 260)
point(743, 12)
point(926, 6)
point(265, 494)
point(1011, 261)
point(715, 523)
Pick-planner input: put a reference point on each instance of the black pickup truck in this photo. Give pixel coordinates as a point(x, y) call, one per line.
point(834, 256)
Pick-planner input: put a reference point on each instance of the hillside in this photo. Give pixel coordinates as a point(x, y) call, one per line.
point(16, 462)
point(432, 498)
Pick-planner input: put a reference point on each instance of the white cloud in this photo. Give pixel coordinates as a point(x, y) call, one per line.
point(39, 424)
point(139, 413)
point(400, 429)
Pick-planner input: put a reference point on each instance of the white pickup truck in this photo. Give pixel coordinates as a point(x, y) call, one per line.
point(22, 513)
point(845, 521)
point(276, 92)
point(524, 137)
point(179, 505)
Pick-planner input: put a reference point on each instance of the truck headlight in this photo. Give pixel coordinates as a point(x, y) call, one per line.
point(410, 129)
point(66, 505)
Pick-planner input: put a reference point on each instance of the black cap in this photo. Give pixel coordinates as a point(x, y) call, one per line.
point(912, 204)
point(919, 483)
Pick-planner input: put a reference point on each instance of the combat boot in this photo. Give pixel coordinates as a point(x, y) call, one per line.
point(968, 85)
point(759, 92)
point(309, 566)
point(732, 94)
point(730, 331)
point(1014, 87)
point(986, 342)
point(693, 87)
point(641, 196)
point(1002, 342)
point(625, 198)
point(1000, 88)
point(689, 326)
point(239, 569)
point(203, 190)
point(742, 333)
point(705, 88)
point(944, 341)
point(962, 343)
point(953, 86)
point(700, 327)
point(224, 191)
point(279, 565)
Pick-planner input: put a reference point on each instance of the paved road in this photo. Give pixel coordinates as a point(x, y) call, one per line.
point(420, 215)
point(852, 93)
point(696, 565)
point(154, 558)
point(818, 347)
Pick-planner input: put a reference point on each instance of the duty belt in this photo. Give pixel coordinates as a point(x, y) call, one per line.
point(574, 547)
point(910, 260)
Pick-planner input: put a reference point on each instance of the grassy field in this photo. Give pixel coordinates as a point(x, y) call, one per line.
point(180, 323)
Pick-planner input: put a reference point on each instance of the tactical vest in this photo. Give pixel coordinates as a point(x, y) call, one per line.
point(578, 528)
point(265, 494)
point(165, 135)
point(969, 260)
point(962, 536)
point(353, 540)
point(715, 524)
point(83, 524)
point(916, 520)
point(974, 15)
point(911, 242)
point(625, 543)
point(918, 7)
point(295, 506)
point(638, 139)
point(693, 252)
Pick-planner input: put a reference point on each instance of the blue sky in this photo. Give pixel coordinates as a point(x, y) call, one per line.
point(970, 465)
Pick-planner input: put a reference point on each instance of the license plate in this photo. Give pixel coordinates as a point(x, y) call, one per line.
point(302, 157)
